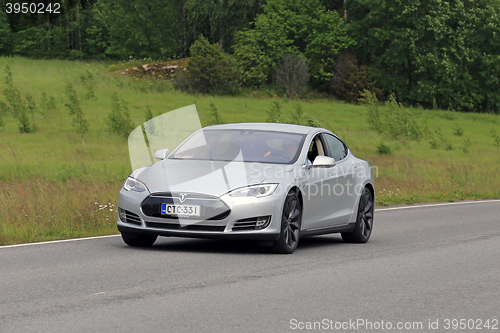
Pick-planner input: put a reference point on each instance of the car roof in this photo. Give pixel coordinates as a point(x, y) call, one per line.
point(279, 127)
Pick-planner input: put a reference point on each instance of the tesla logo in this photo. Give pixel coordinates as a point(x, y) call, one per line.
point(183, 197)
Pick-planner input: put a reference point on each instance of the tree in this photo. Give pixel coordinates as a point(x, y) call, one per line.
point(5, 34)
point(220, 19)
point(425, 51)
point(141, 29)
point(79, 122)
point(15, 103)
point(301, 27)
point(119, 120)
point(292, 73)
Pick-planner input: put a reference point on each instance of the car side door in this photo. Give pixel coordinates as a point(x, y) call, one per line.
point(317, 188)
point(343, 196)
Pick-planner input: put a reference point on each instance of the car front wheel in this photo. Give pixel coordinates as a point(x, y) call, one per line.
point(290, 225)
point(138, 240)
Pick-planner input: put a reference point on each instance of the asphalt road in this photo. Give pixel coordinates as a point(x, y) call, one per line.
point(422, 266)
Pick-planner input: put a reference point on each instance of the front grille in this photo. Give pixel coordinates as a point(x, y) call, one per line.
point(194, 227)
point(245, 224)
point(132, 218)
point(205, 227)
point(211, 208)
point(162, 225)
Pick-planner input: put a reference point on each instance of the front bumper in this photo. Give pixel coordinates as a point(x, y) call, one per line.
point(241, 211)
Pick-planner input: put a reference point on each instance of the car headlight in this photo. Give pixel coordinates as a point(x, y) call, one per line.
point(132, 184)
point(254, 191)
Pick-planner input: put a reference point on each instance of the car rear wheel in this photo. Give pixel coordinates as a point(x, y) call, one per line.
point(364, 222)
point(138, 240)
point(291, 219)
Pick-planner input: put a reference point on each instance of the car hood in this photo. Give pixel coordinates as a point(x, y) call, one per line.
point(207, 177)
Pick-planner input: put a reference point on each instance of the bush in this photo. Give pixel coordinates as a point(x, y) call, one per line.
point(496, 137)
point(3, 109)
point(209, 70)
point(24, 123)
point(301, 117)
point(466, 146)
point(216, 118)
point(119, 121)
point(374, 119)
point(47, 104)
point(349, 80)
point(275, 114)
point(384, 148)
point(401, 122)
point(292, 73)
point(458, 131)
point(15, 103)
point(357, 80)
point(79, 122)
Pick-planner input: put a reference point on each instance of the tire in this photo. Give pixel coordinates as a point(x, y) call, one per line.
point(139, 240)
point(364, 221)
point(291, 219)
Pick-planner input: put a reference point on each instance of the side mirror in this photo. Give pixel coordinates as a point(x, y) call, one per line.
point(162, 154)
point(324, 161)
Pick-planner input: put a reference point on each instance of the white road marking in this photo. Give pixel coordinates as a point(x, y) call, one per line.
point(57, 241)
point(377, 210)
point(438, 204)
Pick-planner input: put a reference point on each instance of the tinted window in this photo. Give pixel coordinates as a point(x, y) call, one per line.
point(337, 149)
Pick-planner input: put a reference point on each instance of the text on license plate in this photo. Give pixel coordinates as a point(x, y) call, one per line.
point(187, 210)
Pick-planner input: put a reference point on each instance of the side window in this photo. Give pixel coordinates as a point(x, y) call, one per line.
point(315, 149)
point(337, 149)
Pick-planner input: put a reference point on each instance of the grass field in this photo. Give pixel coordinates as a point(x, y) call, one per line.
point(52, 186)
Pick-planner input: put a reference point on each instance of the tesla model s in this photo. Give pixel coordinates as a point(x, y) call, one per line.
point(273, 183)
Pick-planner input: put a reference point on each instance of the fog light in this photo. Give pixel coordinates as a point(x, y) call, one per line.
point(262, 222)
point(122, 214)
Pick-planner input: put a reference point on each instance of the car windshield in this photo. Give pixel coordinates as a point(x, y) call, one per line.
point(241, 145)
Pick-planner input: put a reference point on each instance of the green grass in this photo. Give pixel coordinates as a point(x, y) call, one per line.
point(52, 186)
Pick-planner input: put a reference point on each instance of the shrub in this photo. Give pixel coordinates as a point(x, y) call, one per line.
point(374, 119)
point(275, 114)
point(466, 146)
point(458, 131)
point(301, 117)
point(119, 121)
point(401, 122)
point(384, 148)
point(210, 69)
point(3, 109)
point(292, 73)
point(216, 118)
point(495, 137)
point(79, 122)
point(90, 92)
point(47, 104)
point(349, 80)
point(148, 114)
point(15, 103)
point(434, 143)
point(24, 123)
point(31, 108)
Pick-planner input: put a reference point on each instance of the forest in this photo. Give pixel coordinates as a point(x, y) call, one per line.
point(433, 54)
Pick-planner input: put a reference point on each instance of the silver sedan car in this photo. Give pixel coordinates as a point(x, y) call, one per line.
point(273, 183)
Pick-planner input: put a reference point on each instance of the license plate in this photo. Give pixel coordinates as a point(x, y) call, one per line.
point(184, 210)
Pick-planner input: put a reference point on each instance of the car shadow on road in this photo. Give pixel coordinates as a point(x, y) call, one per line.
point(173, 244)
